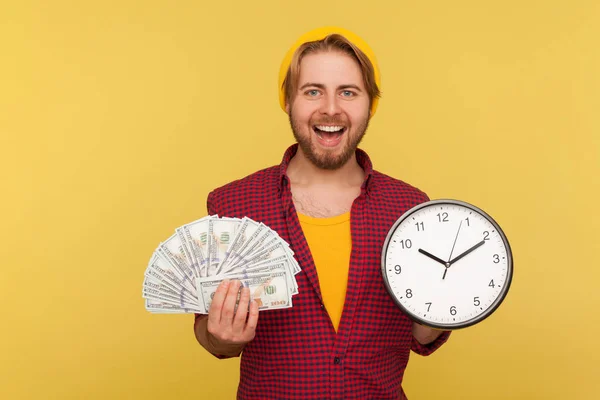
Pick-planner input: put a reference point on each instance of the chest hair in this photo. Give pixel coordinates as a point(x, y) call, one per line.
point(324, 204)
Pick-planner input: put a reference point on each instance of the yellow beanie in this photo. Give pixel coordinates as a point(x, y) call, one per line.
point(318, 34)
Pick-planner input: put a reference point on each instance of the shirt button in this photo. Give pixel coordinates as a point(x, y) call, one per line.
point(322, 305)
point(337, 360)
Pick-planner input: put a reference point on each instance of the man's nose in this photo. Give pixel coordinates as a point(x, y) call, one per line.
point(331, 105)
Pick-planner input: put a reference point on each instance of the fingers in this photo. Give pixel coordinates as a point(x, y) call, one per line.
point(239, 321)
point(214, 312)
point(225, 322)
point(228, 309)
point(252, 318)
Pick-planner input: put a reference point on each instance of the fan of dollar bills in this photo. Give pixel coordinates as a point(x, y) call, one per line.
point(186, 269)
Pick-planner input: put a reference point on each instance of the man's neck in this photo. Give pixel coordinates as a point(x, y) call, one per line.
point(302, 172)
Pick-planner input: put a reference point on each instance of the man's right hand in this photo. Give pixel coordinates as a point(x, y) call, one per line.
point(230, 329)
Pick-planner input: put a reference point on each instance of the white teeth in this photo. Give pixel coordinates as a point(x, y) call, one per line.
point(326, 128)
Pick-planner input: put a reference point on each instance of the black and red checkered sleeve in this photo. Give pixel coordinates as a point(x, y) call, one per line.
point(427, 349)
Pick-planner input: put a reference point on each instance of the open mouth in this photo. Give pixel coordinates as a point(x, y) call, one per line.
point(329, 135)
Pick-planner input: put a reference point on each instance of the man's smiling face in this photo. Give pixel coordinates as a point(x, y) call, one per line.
point(329, 113)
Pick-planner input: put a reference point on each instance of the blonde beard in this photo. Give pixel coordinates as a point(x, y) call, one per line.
point(328, 162)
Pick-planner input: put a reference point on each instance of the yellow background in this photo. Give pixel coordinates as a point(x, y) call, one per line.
point(118, 117)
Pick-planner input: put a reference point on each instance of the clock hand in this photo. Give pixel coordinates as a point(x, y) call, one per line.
point(466, 252)
point(433, 257)
point(447, 264)
point(452, 251)
point(444, 263)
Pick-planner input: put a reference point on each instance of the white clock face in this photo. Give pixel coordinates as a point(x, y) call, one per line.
point(447, 264)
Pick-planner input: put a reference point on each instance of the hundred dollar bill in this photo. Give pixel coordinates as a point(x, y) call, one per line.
point(164, 269)
point(288, 257)
point(283, 250)
point(164, 260)
point(150, 282)
point(267, 240)
point(266, 264)
point(269, 290)
point(188, 250)
point(156, 306)
point(276, 265)
point(196, 235)
point(173, 250)
point(264, 236)
point(211, 249)
point(152, 294)
point(271, 241)
point(254, 233)
point(161, 276)
point(239, 268)
point(243, 233)
point(275, 249)
point(221, 233)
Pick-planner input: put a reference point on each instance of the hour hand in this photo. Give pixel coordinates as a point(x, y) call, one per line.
point(466, 252)
point(428, 254)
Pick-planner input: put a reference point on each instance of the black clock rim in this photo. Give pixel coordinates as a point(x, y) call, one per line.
point(509, 266)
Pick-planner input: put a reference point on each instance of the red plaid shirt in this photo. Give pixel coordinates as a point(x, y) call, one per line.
point(296, 353)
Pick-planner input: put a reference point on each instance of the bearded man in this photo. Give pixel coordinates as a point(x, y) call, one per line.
point(344, 337)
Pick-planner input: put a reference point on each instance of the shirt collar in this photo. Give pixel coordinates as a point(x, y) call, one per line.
point(361, 157)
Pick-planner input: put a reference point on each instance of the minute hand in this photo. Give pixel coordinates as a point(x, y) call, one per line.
point(455, 259)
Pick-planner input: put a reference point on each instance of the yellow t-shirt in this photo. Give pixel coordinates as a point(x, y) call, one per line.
point(330, 244)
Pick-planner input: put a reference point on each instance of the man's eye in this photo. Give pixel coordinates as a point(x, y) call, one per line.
point(312, 92)
point(347, 93)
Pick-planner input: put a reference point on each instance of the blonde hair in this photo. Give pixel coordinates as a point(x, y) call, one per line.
point(332, 42)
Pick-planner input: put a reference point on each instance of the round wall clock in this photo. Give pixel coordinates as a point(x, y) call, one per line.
point(447, 264)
